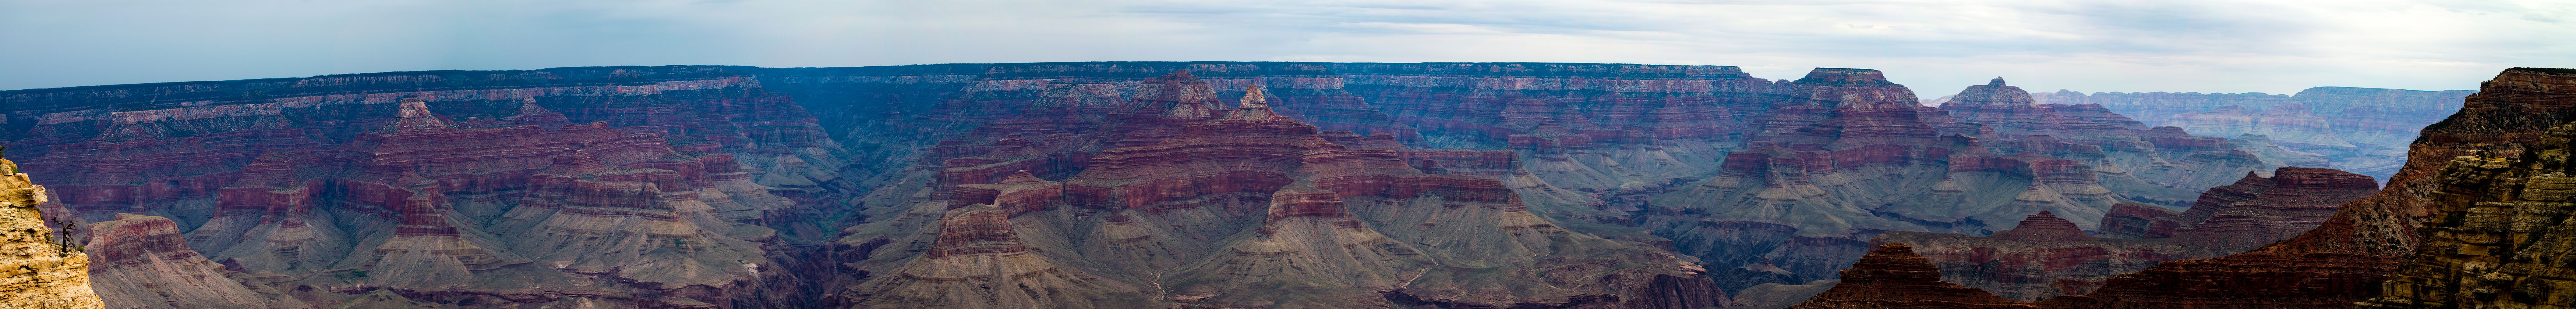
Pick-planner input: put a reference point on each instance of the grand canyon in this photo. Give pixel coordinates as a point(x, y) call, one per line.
point(1278, 185)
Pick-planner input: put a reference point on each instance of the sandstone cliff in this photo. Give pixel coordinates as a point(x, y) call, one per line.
point(41, 271)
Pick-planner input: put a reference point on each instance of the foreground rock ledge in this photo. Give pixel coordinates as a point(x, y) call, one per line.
point(40, 273)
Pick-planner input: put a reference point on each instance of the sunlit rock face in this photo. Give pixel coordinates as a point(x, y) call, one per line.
point(2362, 130)
point(42, 271)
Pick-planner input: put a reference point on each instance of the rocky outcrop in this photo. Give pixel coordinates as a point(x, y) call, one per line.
point(2498, 235)
point(1892, 277)
point(2345, 260)
point(2354, 129)
point(2257, 210)
point(144, 262)
point(41, 271)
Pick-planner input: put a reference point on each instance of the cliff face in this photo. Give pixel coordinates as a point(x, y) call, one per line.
point(41, 272)
point(2353, 129)
point(2498, 234)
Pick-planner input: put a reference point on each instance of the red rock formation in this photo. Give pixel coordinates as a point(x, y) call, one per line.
point(1894, 277)
point(142, 262)
point(2258, 210)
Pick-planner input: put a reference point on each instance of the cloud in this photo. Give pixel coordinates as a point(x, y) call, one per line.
point(1933, 46)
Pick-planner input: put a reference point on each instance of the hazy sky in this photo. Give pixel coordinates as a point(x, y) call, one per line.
point(1936, 47)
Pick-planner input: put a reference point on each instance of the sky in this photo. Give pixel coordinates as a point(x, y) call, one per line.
point(1934, 47)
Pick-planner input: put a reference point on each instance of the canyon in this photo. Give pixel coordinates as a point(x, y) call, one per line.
point(2473, 221)
point(1109, 184)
